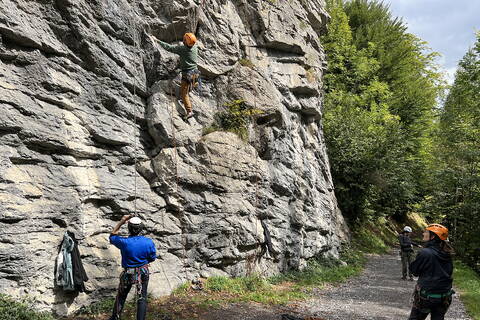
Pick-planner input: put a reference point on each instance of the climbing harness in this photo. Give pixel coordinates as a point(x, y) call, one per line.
point(426, 294)
point(191, 77)
point(133, 276)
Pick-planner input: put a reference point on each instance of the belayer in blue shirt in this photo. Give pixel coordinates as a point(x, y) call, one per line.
point(137, 252)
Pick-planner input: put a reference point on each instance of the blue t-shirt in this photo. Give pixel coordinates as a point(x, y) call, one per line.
point(136, 251)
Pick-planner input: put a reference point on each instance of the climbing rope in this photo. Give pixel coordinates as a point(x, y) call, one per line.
point(255, 155)
point(184, 238)
point(135, 42)
point(136, 45)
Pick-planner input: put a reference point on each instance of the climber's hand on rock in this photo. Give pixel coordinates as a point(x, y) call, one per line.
point(126, 217)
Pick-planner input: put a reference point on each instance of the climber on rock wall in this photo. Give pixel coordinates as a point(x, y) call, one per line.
point(188, 53)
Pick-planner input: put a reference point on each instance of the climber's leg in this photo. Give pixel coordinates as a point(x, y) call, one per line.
point(184, 90)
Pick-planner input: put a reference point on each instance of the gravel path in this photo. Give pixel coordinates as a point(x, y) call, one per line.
point(378, 293)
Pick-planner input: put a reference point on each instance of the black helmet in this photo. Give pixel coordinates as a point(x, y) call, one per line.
point(135, 226)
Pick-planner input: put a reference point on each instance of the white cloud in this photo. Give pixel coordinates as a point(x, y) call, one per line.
point(450, 74)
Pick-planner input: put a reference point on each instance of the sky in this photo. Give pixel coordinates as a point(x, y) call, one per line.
point(447, 25)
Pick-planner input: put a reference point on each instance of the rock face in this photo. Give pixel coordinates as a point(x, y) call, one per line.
point(90, 131)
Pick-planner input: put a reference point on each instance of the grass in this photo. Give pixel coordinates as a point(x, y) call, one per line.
point(219, 290)
point(323, 271)
point(20, 310)
point(246, 63)
point(371, 242)
point(468, 283)
point(99, 307)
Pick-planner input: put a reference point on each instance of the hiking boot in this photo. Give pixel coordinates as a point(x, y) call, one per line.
point(411, 278)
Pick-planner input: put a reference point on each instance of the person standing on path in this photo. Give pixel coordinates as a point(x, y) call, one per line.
point(433, 265)
point(188, 53)
point(406, 251)
point(137, 252)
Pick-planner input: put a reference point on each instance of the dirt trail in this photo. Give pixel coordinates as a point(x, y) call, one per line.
point(377, 294)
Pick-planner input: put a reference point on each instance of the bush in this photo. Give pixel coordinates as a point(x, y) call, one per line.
point(246, 63)
point(235, 118)
point(20, 310)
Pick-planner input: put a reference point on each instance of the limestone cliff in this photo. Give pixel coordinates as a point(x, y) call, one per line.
point(89, 131)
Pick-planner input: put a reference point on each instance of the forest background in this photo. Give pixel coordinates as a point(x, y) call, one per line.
point(399, 139)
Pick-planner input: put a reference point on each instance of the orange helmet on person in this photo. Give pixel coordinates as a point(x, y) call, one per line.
point(439, 230)
point(189, 39)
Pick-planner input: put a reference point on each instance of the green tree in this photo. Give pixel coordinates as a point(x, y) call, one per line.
point(456, 197)
point(409, 69)
point(380, 92)
point(359, 129)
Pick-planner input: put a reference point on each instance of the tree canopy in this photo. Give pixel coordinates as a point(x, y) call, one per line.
point(456, 195)
point(381, 88)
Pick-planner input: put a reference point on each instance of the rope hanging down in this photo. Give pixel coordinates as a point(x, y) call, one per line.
point(137, 46)
point(256, 215)
point(184, 239)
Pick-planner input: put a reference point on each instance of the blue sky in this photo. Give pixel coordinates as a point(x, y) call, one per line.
point(447, 25)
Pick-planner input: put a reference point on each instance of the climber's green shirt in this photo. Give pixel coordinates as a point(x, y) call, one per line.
point(188, 56)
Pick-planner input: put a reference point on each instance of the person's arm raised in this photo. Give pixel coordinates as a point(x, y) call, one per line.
point(120, 223)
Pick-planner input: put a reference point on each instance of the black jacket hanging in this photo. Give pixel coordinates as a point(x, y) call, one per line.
point(79, 274)
point(268, 239)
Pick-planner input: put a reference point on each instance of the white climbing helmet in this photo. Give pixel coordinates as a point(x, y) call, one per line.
point(135, 220)
point(407, 229)
point(135, 226)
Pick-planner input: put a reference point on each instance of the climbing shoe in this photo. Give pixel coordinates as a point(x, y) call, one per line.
point(188, 115)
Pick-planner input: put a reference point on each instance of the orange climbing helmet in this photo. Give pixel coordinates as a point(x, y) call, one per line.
point(439, 230)
point(189, 39)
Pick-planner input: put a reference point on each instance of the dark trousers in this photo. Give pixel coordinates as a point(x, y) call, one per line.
point(139, 278)
point(406, 260)
point(423, 306)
